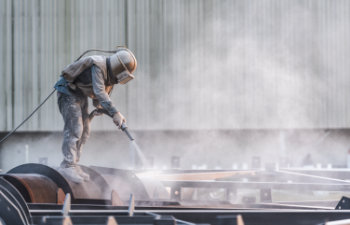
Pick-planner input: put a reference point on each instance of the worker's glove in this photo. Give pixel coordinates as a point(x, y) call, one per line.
point(119, 119)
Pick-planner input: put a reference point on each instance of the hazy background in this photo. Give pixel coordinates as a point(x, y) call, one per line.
point(217, 83)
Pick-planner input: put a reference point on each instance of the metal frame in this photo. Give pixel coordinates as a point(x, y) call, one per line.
point(91, 211)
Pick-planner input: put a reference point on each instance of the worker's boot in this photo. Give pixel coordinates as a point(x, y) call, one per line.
point(71, 173)
point(81, 173)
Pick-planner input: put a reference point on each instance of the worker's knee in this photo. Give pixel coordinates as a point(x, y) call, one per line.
point(77, 130)
point(73, 128)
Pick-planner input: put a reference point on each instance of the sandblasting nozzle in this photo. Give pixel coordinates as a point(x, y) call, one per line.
point(126, 131)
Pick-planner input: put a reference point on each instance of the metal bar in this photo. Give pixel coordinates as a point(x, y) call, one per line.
point(259, 185)
point(195, 175)
point(337, 173)
point(313, 176)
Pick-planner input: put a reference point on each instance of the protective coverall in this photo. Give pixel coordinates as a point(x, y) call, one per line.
point(92, 78)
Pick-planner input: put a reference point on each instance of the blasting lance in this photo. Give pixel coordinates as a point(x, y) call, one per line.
point(124, 128)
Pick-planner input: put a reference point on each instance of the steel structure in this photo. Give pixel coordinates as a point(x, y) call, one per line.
point(37, 194)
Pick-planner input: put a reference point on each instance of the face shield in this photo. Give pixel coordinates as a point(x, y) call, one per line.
point(124, 77)
point(123, 63)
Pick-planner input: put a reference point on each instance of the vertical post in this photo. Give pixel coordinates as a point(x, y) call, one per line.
point(131, 208)
point(176, 193)
point(265, 195)
point(26, 153)
point(282, 149)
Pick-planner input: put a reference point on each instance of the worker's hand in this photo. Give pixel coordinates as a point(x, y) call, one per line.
point(119, 119)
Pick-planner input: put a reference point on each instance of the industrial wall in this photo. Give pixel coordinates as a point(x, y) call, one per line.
point(203, 64)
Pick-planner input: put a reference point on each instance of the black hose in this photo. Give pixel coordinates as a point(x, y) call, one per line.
point(96, 50)
point(100, 50)
point(37, 108)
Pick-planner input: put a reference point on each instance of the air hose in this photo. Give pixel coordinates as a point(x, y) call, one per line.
point(25, 120)
point(123, 127)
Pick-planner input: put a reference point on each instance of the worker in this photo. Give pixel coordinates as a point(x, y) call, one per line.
point(94, 77)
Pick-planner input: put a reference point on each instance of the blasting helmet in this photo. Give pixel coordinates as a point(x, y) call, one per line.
point(123, 64)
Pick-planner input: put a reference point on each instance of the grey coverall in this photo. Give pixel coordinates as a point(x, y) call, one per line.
point(88, 77)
